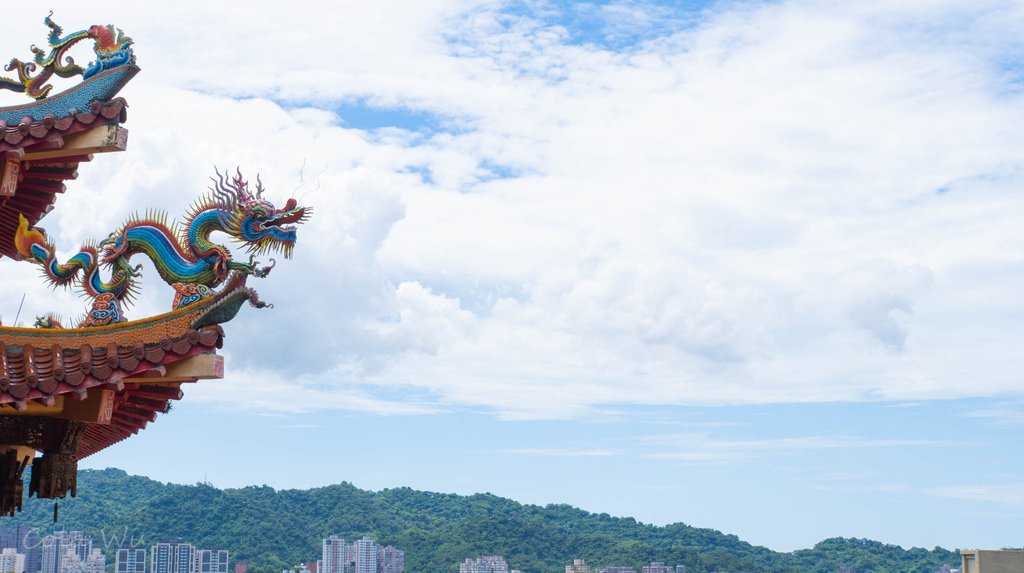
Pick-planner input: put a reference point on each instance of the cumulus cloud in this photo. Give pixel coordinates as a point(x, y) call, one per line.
point(752, 203)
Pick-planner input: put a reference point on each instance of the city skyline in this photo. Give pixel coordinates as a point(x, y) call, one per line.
point(72, 551)
point(24, 550)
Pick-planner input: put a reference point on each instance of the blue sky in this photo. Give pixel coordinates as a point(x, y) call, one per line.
point(786, 476)
point(753, 266)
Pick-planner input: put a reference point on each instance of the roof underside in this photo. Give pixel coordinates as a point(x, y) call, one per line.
point(119, 388)
point(37, 157)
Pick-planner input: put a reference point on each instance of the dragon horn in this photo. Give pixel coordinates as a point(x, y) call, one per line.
point(259, 187)
point(224, 197)
point(241, 186)
point(224, 193)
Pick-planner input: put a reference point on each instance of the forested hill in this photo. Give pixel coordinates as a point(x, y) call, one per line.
point(272, 529)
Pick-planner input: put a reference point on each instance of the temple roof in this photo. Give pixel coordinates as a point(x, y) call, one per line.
point(115, 377)
point(42, 142)
point(40, 155)
point(119, 388)
point(67, 393)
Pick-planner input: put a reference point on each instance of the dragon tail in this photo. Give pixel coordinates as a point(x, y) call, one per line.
point(32, 244)
point(29, 242)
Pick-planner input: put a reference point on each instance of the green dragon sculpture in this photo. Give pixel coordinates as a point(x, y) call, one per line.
point(184, 256)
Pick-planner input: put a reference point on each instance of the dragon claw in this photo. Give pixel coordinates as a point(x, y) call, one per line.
point(255, 302)
point(263, 270)
point(258, 269)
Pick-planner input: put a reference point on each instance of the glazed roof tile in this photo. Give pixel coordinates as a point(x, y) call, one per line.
point(28, 132)
point(41, 374)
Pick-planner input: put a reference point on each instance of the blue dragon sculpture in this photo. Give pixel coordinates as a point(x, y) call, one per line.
point(184, 256)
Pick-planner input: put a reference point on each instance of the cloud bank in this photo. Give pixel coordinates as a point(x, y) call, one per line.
point(545, 211)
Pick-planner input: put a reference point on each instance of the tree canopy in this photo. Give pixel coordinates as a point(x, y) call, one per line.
point(273, 529)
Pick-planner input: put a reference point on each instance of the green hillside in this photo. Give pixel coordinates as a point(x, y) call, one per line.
point(272, 529)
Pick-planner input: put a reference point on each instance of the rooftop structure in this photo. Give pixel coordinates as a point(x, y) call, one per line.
point(67, 393)
point(992, 561)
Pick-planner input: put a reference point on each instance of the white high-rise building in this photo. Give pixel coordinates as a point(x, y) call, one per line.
point(366, 555)
point(94, 562)
point(172, 557)
point(484, 564)
point(184, 558)
point(78, 543)
point(130, 560)
point(29, 545)
point(161, 558)
point(361, 556)
point(211, 561)
point(50, 554)
point(11, 561)
point(333, 558)
point(70, 552)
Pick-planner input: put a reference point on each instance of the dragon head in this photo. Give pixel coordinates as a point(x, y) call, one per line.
point(48, 320)
point(252, 220)
point(113, 49)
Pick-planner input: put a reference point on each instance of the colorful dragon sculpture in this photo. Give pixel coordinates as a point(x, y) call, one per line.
point(184, 256)
point(112, 49)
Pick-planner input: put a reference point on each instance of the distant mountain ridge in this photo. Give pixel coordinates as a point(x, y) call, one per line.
point(273, 529)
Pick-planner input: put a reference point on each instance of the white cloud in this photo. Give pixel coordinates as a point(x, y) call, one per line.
point(776, 203)
point(1008, 413)
point(1003, 494)
point(424, 321)
point(704, 448)
point(255, 390)
point(564, 453)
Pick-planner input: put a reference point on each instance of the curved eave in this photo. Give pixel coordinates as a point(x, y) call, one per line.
point(118, 377)
point(37, 157)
